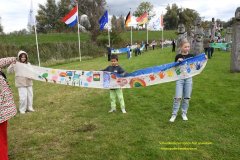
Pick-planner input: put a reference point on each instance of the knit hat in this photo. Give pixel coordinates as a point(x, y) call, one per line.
point(21, 52)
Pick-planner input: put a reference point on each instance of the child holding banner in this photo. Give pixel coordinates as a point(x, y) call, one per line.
point(183, 86)
point(24, 85)
point(115, 68)
point(7, 107)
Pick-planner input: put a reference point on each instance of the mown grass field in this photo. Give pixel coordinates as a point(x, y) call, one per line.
point(72, 123)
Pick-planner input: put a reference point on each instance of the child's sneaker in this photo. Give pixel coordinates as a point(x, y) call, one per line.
point(112, 110)
point(124, 111)
point(184, 117)
point(22, 112)
point(31, 110)
point(172, 119)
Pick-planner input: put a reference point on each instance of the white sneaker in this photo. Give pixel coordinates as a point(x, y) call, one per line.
point(124, 111)
point(31, 110)
point(172, 119)
point(22, 112)
point(184, 117)
point(112, 110)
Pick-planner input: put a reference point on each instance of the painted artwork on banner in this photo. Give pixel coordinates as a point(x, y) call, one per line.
point(106, 80)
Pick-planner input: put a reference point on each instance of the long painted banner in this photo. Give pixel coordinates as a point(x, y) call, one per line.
point(125, 50)
point(106, 80)
point(219, 45)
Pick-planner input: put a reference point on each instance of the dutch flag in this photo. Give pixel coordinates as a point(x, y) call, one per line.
point(71, 18)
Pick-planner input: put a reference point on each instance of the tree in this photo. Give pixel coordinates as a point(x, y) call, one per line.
point(122, 22)
point(94, 10)
point(46, 17)
point(175, 15)
point(1, 27)
point(144, 7)
point(188, 16)
point(114, 22)
point(171, 17)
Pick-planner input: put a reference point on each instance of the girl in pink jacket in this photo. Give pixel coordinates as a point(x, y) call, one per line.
point(7, 107)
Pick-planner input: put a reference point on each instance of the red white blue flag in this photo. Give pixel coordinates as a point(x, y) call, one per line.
point(71, 18)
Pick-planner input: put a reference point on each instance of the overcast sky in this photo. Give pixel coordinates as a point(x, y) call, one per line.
point(14, 13)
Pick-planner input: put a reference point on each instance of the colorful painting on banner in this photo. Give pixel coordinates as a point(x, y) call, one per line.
point(106, 80)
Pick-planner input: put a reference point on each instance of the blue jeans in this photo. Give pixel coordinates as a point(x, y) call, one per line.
point(183, 90)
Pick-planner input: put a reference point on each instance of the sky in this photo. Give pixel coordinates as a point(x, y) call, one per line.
point(14, 13)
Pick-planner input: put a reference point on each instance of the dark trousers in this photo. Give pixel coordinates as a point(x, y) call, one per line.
point(153, 46)
point(208, 52)
point(109, 57)
point(211, 50)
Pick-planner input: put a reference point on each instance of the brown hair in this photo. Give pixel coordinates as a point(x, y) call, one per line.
point(20, 56)
point(114, 56)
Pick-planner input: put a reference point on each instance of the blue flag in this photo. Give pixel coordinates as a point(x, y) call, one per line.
point(103, 20)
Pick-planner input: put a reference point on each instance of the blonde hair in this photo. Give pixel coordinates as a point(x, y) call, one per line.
point(183, 41)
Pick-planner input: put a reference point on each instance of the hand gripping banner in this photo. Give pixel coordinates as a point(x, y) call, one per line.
point(106, 80)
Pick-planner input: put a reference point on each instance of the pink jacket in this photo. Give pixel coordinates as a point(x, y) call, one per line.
point(7, 105)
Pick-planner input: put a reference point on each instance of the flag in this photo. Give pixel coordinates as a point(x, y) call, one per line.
point(71, 18)
point(161, 21)
point(103, 20)
point(154, 24)
point(142, 19)
point(128, 19)
point(31, 18)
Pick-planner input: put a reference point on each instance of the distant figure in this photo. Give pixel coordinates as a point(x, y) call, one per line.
point(153, 44)
point(146, 46)
point(211, 48)
point(109, 52)
point(206, 46)
point(129, 51)
point(137, 50)
point(173, 45)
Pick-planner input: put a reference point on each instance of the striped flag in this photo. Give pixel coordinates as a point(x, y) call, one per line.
point(71, 18)
point(128, 19)
point(142, 19)
point(161, 21)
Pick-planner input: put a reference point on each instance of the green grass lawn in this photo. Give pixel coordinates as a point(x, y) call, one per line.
point(72, 123)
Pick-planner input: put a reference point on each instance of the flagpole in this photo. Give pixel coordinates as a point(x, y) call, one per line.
point(131, 35)
point(36, 37)
point(162, 28)
point(108, 37)
point(109, 43)
point(147, 32)
point(35, 28)
point(79, 39)
point(147, 25)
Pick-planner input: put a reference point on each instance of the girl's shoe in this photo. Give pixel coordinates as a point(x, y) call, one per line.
point(112, 110)
point(172, 119)
point(184, 117)
point(124, 111)
point(31, 110)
